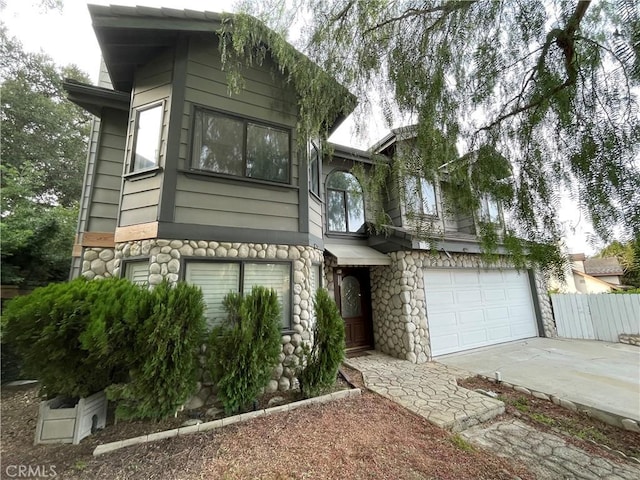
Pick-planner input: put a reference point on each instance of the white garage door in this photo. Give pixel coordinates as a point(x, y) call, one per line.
point(470, 308)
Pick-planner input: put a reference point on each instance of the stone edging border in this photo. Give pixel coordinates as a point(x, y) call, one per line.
point(223, 422)
point(602, 415)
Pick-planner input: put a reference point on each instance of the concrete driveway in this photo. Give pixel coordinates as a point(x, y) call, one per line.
point(601, 375)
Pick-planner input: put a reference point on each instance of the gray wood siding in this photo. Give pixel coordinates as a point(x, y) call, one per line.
point(204, 202)
point(89, 174)
point(209, 200)
point(392, 204)
point(315, 217)
point(103, 210)
point(140, 197)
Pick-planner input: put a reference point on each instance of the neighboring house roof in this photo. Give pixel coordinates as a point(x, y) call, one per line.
point(602, 267)
point(597, 280)
point(131, 36)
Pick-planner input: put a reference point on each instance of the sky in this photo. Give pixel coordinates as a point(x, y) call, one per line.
point(68, 38)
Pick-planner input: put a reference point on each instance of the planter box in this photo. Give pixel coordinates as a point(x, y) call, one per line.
point(57, 424)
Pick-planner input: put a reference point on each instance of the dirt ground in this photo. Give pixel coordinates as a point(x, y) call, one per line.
point(545, 415)
point(362, 437)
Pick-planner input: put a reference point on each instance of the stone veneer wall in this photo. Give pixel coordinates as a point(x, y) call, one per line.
point(165, 262)
point(398, 301)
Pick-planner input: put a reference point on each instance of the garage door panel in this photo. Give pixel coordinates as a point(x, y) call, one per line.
point(493, 315)
point(471, 317)
point(470, 308)
point(442, 277)
point(445, 320)
point(494, 295)
point(468, 296)
point(449, 342)
point(500, 333)
point(474, 337)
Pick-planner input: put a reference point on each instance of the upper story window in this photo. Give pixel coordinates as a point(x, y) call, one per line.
point(314, 168)
point(420, 196)
point(233, 146)
point(489, 209)
point(345, 203)
point(146, 150)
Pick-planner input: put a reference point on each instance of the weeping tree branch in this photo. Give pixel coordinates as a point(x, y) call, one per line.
point(565, 40)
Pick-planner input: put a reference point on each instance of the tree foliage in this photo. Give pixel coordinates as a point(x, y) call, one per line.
point(628, 255)
point(44, 139)
point(243, 352)
point(551, 86)
point(327, 353)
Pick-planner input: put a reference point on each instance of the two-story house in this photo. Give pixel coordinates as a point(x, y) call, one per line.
point(187, 181)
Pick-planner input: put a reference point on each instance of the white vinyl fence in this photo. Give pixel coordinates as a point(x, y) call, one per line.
point(596, 316)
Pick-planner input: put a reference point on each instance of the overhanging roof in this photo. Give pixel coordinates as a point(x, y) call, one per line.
point(131, 36)
point(94, 99)
point(357, 255)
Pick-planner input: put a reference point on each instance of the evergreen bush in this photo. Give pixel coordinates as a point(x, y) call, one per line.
point(60, 333)
point(163, 359)
point(243, 353)
point(83, 336)
point(322, 361)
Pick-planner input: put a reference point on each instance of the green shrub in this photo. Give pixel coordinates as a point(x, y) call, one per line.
point(243, 354)
point(631, 291)
point(163, 357)
point(60, 333)
point(326, 355)
point(83, 336)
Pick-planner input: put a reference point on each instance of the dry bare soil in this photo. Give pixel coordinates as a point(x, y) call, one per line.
point(362, 437)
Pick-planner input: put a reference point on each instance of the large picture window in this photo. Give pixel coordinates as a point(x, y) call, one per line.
point(217, 279)
point(146, 150)
point(345, 203)
point(420, 196)
point(233, 146)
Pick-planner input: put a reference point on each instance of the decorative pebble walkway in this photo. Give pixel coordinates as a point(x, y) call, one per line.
point(427, 389)
point(430, 390)
point(546, 455)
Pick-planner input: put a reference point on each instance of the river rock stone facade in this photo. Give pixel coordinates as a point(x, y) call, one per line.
point(165, 261)
point(400, 323)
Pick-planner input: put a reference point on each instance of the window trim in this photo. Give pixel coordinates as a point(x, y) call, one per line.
point(245, 121)
point(311, 145)
point(136, 123)
point(327, 189)
point(185, 260)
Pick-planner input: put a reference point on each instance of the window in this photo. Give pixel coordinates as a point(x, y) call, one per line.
point(314, 168)
point(146, 151)
point(234, 146)
point(345, 204)
point(420, 196)
point(137, 272)
point(217, 279)
point(489, 210)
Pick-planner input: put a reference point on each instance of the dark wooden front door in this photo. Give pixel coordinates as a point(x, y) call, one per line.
point(353, 296)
